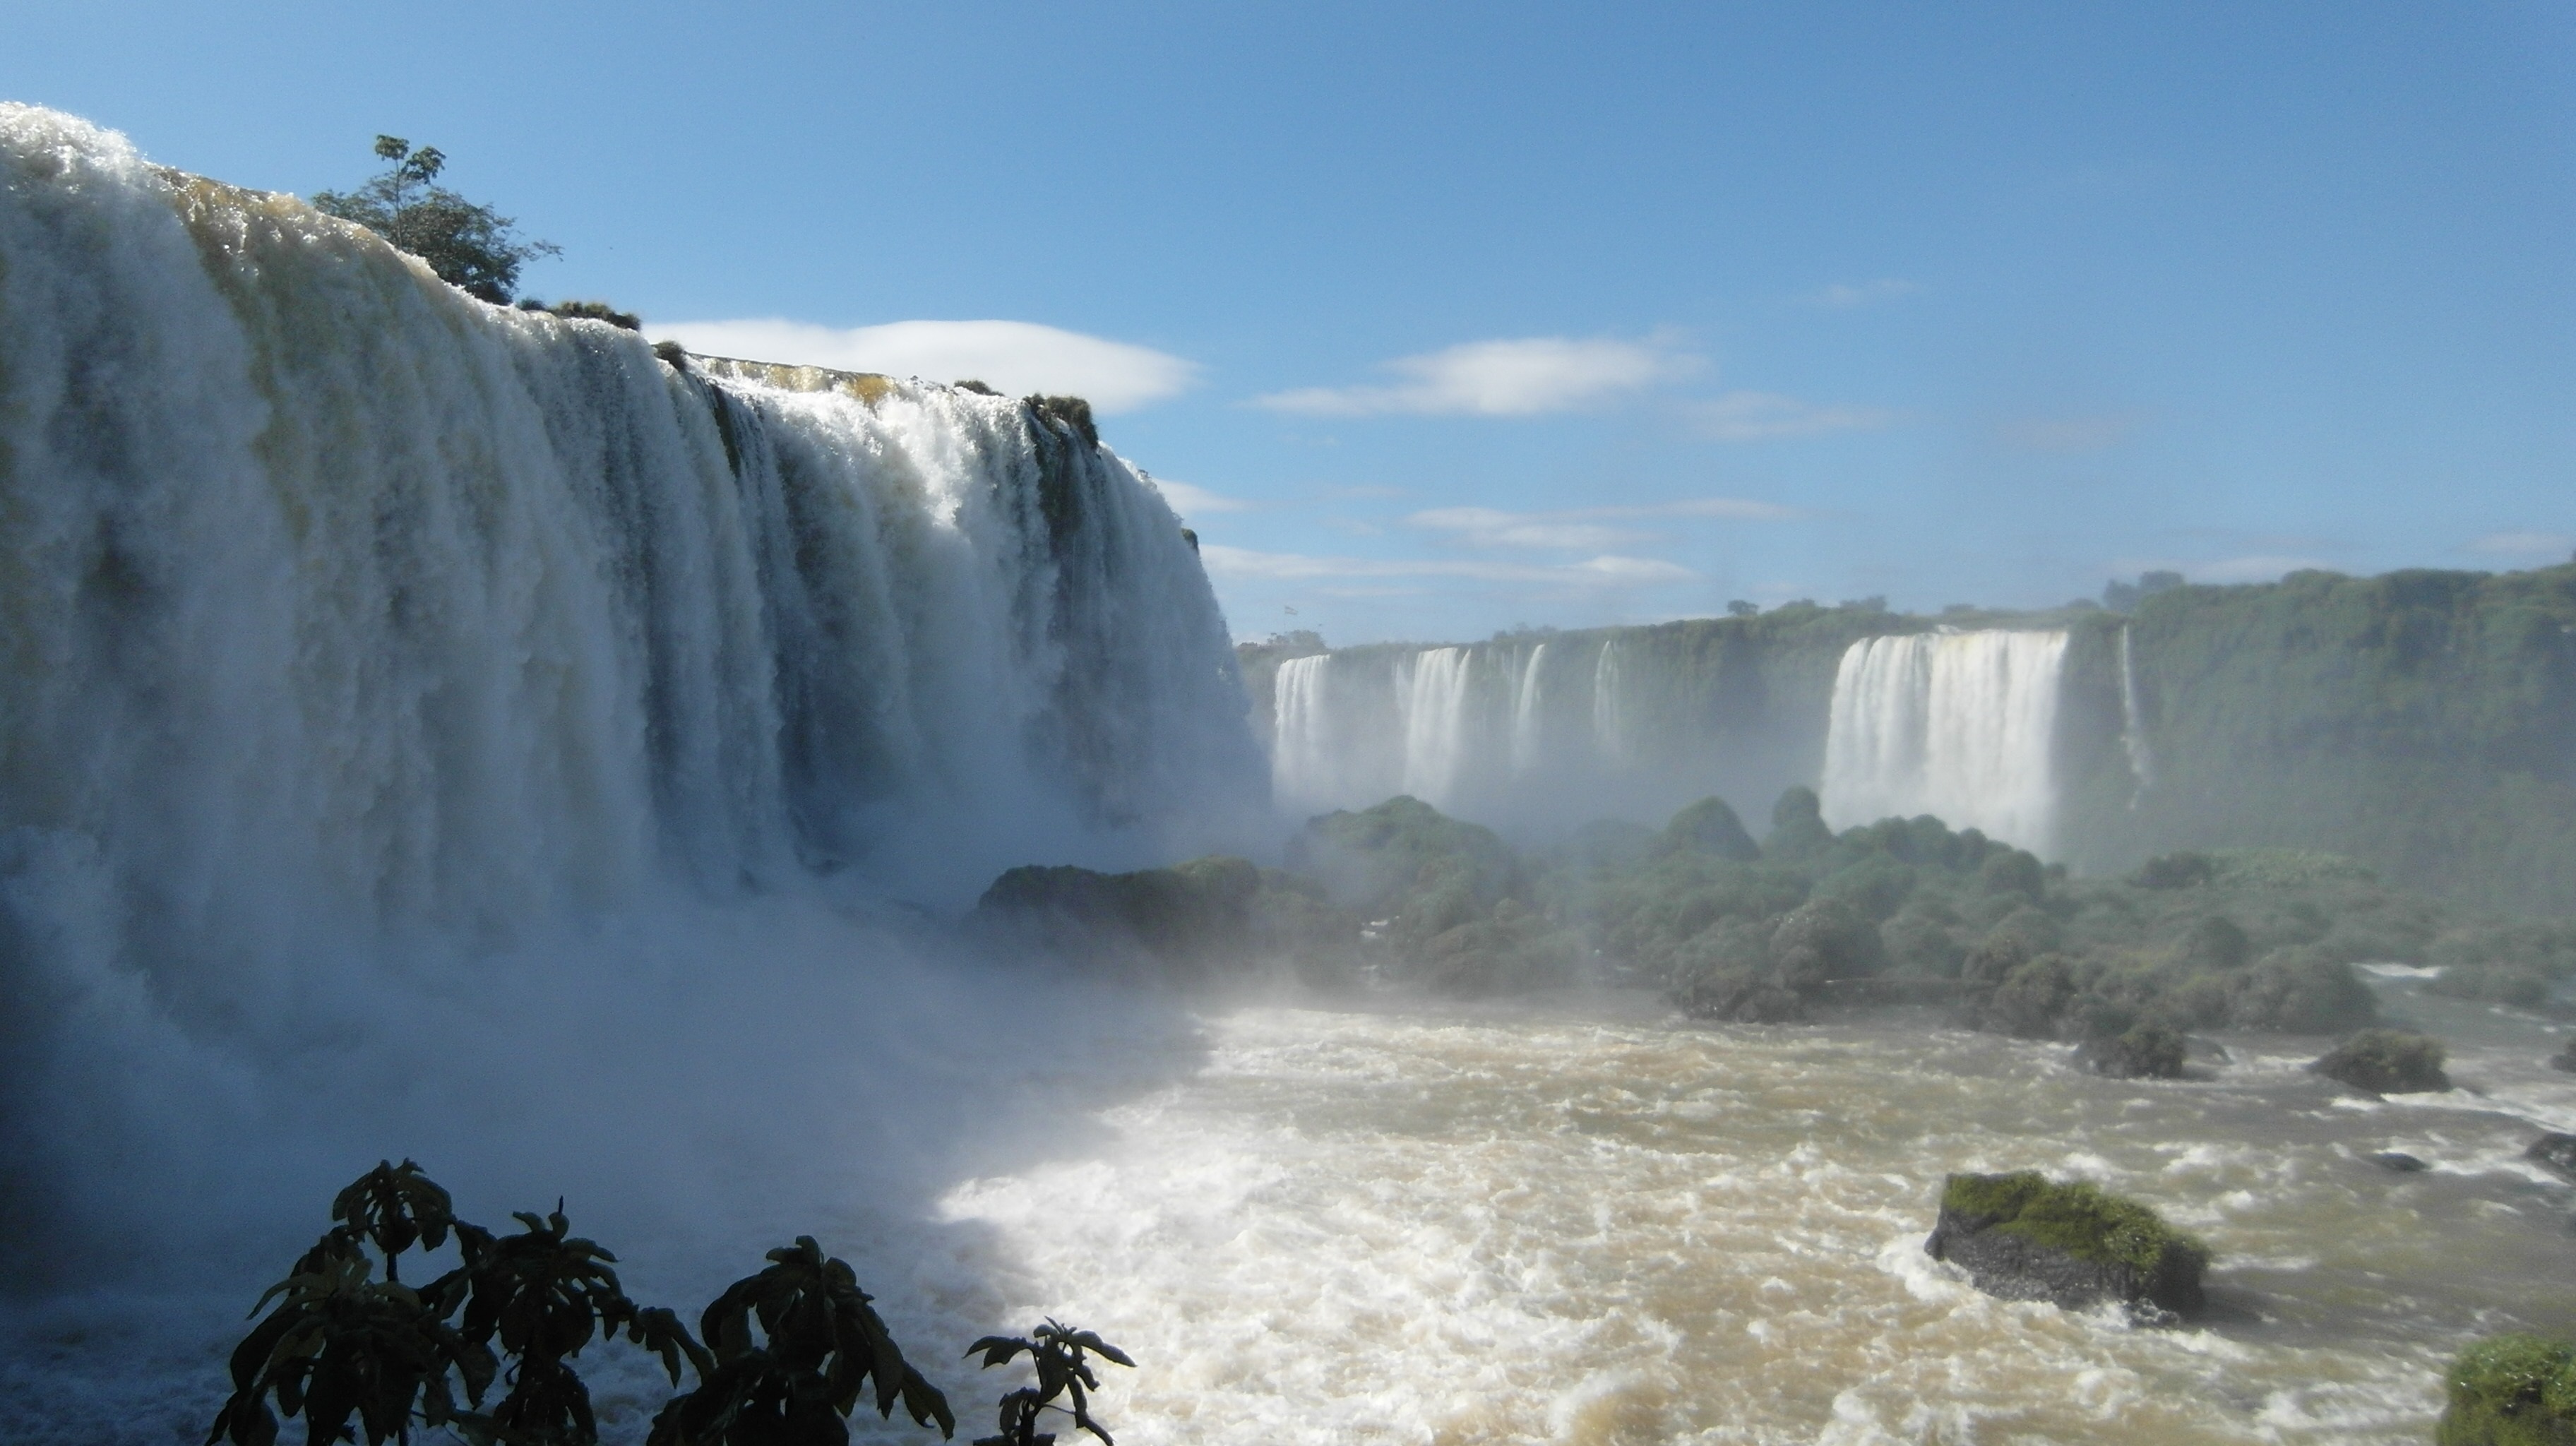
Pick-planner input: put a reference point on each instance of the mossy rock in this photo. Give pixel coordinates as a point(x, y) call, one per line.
point(2022, 1236)
point(2142, 1051)
point(2511, 1390)
point(2387, 1062)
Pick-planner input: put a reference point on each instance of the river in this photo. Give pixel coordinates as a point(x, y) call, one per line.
point(1588, 1222)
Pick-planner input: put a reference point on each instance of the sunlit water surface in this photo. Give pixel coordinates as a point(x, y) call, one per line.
point(1582, 1220)
point(1514, 1225)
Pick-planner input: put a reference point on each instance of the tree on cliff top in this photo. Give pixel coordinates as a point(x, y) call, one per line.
point(473, 248)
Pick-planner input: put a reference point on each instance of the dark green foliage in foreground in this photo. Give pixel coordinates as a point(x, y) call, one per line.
point(2511, 1390)
point(2386, 1061)
point(473, 248)
point(2076, 1217)
point(355, 1356)
point(794, 1378)
point(1058, 1352)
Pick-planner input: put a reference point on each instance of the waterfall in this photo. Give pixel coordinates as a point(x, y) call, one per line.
point(1960, 725)
point(1433, 690)
point(1609, 734)
point(1525, 713)
point(1329, 750)
point(1350, 731)
point(2133, 728)
point(352, 625)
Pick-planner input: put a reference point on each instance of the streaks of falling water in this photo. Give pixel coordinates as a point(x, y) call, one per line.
point(1960, 725)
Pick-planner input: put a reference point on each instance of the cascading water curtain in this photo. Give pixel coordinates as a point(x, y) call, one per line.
point(351, 623)
point(1959, 725)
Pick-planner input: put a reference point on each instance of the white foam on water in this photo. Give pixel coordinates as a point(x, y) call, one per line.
point(1504, 1228)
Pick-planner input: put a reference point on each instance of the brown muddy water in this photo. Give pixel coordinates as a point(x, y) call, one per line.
point(1584, 1220)
point(1588, 1222)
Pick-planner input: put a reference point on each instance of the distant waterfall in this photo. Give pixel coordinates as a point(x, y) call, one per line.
point(2133, 728)
point(1960, 725)
point(1609, 718)
point(1526, 702)
point(1435, 722)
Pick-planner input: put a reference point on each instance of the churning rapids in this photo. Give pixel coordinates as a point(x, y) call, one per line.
point(1575, 1220)
point(440, 731)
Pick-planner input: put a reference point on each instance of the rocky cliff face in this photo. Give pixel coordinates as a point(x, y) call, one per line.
point(2421, 722)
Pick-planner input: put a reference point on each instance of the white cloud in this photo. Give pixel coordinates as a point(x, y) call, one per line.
point(1013, 357)
point(1487, 527)
point(2525, 544)
point(1761, 416)
point(1192, 501)
point(1582, 528)
point(1844, 294)
point(1604, 571)
point(1510, 378)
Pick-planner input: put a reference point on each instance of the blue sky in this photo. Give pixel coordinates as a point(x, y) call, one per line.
point(1450, 318)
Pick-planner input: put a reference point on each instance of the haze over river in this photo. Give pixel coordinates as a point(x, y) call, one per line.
point(1520, 1224)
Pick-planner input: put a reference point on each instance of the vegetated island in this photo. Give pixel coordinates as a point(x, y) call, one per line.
point(1772, 930)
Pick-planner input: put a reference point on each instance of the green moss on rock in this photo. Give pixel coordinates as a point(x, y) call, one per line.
point(2511, 1390)
point(2076, 1217)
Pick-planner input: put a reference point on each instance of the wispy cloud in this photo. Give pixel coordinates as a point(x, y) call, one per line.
point(1510, 378)
point(1844, 295)
point(1488, 527)
point(1013, 357)
point(1192, 501)
point(2068, 434)
point(1581, 528)
point(2525, 544)
point(1763, 416)
point(1608, 570)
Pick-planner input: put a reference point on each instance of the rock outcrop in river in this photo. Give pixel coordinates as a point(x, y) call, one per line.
point(2022, 1236)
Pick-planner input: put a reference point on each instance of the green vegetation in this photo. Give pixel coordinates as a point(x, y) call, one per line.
point(2511, 1390)
point(1057, 1352)
point(473, 248)
point(1184, 924)
point(2075, 1217)
point(2249, 939)
point(2421, 722)
point(587, 311)
point(2386, 1061)
point(781, 1358)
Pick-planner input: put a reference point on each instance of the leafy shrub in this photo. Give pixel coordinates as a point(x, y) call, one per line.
point(473, 248)
point(2181, 870)
point(588, 311)
point(2510, 1390)
point(340, 1344)
point(2015, 874)
point(2300, 990)
point(1917, 943)
point(1797, 826)
point(2143, 1051)
point(1711, 827)
point(2386, 1061)
point(1057, 1351)
point(2028, 1002)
